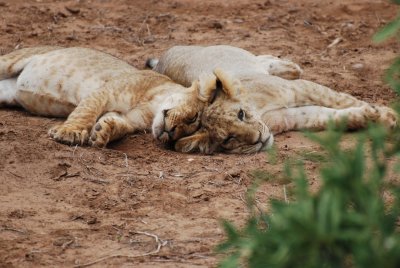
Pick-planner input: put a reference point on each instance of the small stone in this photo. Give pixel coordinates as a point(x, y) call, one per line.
point(216, 25)
point(62, 14)
point(149, 40)
point(91, 220)
point(73, 10)
point(357, 66)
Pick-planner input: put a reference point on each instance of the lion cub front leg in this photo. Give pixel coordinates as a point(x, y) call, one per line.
point(111, 126)
point(75, 130)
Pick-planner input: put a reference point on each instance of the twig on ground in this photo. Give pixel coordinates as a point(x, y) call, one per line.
point(256, 202)
point(211, 169)
point(126, 160)
point(12, 229)
point(128, 174)
point(148, 29)
point(98, 181)
point(178, 175)
point(73, 152)
point(16, 175)
point(144, 22)
point(226, 173)
point(107, 28)
point(66, 244)
point(334, 42)
point(377, 18)
point(175, 260)
point(160, 243)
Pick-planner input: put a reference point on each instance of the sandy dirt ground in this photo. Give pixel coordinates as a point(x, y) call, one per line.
point(64, 206)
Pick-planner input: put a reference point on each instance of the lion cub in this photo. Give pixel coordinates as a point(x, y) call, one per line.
point(250, 102)
point(103, 97)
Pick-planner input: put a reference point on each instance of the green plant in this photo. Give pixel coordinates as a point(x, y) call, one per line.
point(392, 75)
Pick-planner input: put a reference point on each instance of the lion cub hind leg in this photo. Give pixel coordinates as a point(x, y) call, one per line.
point(317, 117)
point(280, 67)
point(75, 130)
point(111, 126)
point(8, 91)
point(310, 93)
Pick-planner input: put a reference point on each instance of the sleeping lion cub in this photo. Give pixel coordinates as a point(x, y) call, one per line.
point(251, 102)
point(103, 97)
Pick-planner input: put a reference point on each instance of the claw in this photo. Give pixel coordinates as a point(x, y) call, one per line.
point(69, 135)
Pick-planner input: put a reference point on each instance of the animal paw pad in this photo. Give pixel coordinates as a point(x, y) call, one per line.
point(100, 135)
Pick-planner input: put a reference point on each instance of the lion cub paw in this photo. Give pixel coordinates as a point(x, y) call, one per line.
point(280, 67)
point(69, 134)
point(371, 112)
point(387, 116)
point(287, 70)
point(100, 134)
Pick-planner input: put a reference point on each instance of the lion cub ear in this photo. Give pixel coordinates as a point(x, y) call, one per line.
point(198, 142)
point(206, 87)
point(230, 86)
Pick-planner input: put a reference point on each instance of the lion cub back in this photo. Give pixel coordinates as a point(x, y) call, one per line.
point(184, 64)
point(63, 77)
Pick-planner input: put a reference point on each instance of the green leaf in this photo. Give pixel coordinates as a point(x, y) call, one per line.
point(230, 262)
point(392, 75)
point(387, 31)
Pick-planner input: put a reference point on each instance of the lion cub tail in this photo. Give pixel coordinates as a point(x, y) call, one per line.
point(151, 63)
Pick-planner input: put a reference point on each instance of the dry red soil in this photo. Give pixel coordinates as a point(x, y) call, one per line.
point(65, 206)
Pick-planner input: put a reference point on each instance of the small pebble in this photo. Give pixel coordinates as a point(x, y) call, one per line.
point(357, 66)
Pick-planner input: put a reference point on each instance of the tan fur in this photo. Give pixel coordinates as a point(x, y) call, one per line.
point(185, 64)
point(103, 97)
point(270, 103)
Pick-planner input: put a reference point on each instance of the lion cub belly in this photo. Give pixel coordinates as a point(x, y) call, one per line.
point(44, 104)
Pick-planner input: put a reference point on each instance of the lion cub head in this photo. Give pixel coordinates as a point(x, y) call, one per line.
point(228, 123)
point(180, 118)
